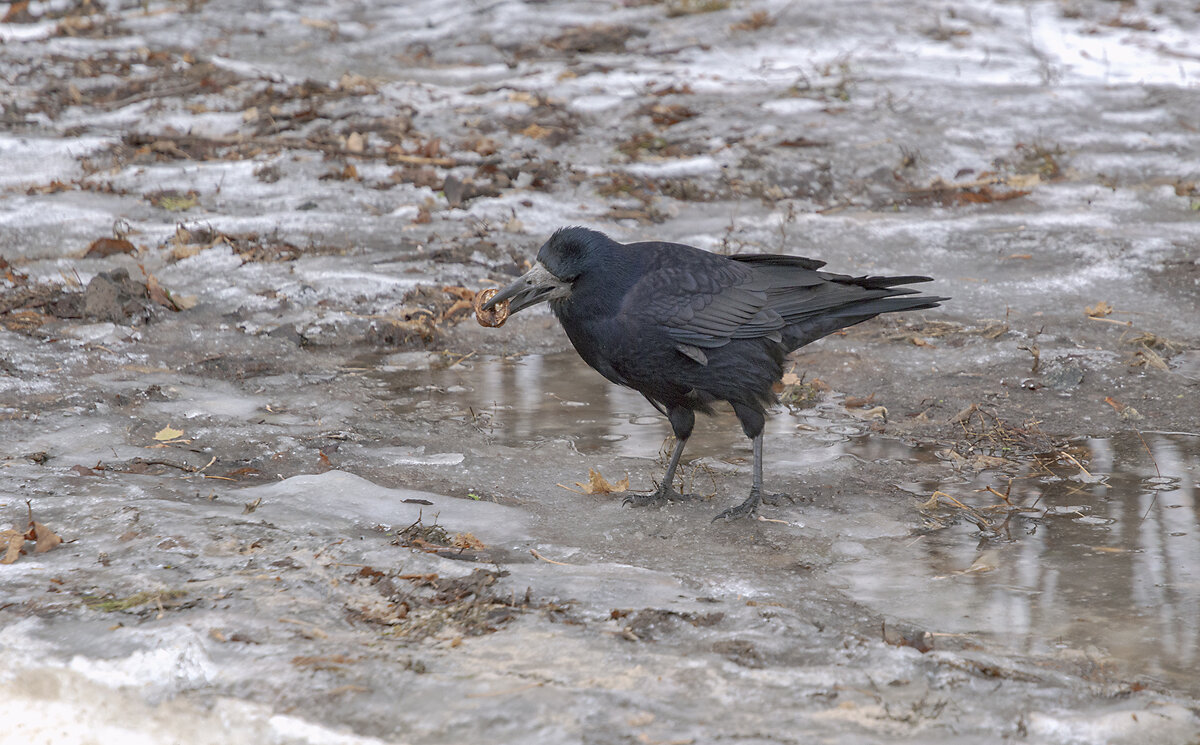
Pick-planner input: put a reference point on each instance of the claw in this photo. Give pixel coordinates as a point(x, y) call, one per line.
point(745, 509)
point(658, 497)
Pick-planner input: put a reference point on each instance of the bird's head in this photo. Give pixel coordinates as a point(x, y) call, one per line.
point(561, 260)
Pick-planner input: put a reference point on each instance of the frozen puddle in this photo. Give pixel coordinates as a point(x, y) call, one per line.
point(1103, 563)
point(1111, 568)
point(539, 399)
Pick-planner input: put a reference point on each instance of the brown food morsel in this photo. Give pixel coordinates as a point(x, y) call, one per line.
point(492, 317)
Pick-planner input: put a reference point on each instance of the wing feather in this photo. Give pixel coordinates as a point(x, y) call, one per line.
point(703, 301)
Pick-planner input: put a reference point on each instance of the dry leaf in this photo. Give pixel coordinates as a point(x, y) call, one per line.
point(757, 20)
point(986, 562)
point(46, 538)
point(168, 433)
point(877, 412)
point(1125, 410)
point(104, 247)
point(536, 131)
point(14, 541)
point(1023, 180)
point(1117, 405)
point(859, 402)
point(982, 462)
point(466, 540)
point(485, 146)
point(157, 294)
point(184, 302)
point(597, 484)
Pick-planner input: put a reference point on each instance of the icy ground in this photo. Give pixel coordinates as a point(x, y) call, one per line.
point(305, 499)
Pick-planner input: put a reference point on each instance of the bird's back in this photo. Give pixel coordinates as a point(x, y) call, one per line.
point(686, 327)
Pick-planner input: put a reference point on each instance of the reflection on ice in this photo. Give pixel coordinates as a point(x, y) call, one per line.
point(1105, 559)
point(539, 399)
point(1111, 566)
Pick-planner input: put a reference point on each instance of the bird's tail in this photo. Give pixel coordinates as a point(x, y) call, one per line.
point(882, 295)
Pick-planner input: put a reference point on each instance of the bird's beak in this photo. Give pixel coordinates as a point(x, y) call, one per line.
point(534, 286)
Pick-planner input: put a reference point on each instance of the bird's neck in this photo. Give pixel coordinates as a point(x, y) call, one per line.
point(599, 293)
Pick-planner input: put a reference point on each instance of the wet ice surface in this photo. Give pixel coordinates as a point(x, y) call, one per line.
point(1097, 562)
point(248, 583)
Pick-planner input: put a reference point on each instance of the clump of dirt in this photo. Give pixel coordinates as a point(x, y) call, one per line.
point(112, 296)
point(424, 605)
point(651, 624)
point(595, 38)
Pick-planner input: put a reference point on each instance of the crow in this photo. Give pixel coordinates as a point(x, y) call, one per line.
point(687, 328)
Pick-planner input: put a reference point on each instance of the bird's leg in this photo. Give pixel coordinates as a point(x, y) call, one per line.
point(748, 508)
point(666, 490)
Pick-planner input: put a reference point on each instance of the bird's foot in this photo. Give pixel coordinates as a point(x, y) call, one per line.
point(750, 506)
point(745, 509)
point(656, 498)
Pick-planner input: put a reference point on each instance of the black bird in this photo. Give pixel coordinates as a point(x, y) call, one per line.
point(686, 328)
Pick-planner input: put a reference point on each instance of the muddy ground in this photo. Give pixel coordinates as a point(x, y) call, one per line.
point(305, 499)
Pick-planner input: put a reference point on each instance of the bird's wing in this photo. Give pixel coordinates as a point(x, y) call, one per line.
point(703, 301)
point(705, 304)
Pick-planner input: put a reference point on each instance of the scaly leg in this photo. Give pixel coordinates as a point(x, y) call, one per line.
point(666, 490)
point(750, 506)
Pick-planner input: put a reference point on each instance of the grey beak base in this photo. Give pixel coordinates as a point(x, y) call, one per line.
point(534, 286)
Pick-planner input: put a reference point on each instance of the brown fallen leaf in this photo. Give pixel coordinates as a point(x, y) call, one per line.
point(597, 484)
point(466, 540)
point(877, 412)
point(45, 538)
point(53, 187)
point(757, 20)
point(13, 541)
point(856, 402)
point(963, 415)
point(983, 462)
point(985, 562)
point(157, 294)
point(18, 12)
point(104, 247)
point(168, 433)
point(536, 131)
point(485, 146)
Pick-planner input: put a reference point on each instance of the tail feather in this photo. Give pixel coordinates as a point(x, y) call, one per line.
point(806, 331)
point(892, 304)
point(880, 283)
